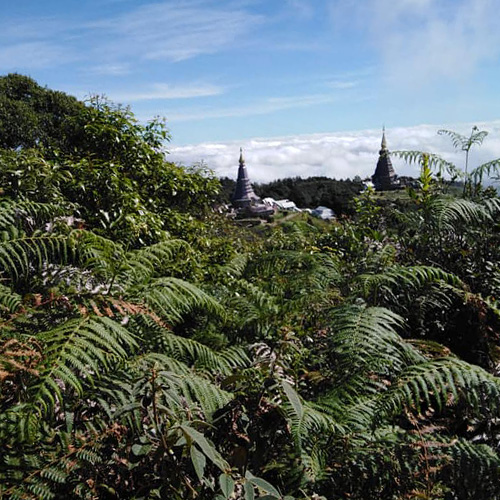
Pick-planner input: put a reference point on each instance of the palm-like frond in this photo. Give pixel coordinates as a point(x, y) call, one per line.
point(486, 169)
point(465, 142)
point(436, 163)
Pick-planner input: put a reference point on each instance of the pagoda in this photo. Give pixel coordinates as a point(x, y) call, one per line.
point(384, 178)
point(244, 195)
point(244, 200)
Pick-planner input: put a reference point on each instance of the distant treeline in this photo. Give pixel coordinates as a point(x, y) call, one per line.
point(306, 193)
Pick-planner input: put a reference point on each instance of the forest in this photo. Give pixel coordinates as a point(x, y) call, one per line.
point(152, 349)
point(306, 193)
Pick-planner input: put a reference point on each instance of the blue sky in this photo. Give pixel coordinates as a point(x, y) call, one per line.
point(230, 71)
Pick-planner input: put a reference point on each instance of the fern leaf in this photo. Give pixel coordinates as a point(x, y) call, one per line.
point(171, 298)
point(442, 382)
point(435, 161)
point(78, 347)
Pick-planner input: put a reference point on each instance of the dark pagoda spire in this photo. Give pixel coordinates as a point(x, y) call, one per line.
point(384, 177)
point(243, 194)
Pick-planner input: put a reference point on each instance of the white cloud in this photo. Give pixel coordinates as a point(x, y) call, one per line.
point(163, 91)
point(263, 107)
point(302, 8)
point(22, 29)
point(421, 41)
point(32, 55)
point(110, 69)
point(343, 84)
point(174, 31)
point(338, 155)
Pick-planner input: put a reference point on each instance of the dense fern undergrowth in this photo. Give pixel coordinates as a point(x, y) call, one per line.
point(149, 349)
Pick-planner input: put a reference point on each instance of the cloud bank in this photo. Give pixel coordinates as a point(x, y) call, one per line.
point(339, 155)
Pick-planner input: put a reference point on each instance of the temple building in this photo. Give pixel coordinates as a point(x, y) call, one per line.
point(244, 200)
point(384, 177)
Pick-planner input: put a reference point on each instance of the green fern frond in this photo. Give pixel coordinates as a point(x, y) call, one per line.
point(452, 214)
point(435, 162)
point(78, 349)
point(462, 141)
point(146, 262)
point(171, 298)
point(200, 356)
point(176, 391)
point(13, 212)
point(19, 256)
point(100, 255)
point(486, 169)
point(394, 280)
point(309, 426)
point(474, 470)
point(366, 339)
point(443, 382)
point(235, 267)
point(294, 262)
point(355, 414)
point(305, 420)
point(202, 391)
point(252, 302)
point(492, 206)
point(10, 301)
point(164, 362)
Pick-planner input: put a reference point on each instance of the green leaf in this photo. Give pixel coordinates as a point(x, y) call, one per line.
point(249, 492)
point(294, 399)
point(262, 484)
point(226, 484)
point(141, 449)
point(199, 461)
point(208, 449)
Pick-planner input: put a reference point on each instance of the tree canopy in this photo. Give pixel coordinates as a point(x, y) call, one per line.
point(97, 156)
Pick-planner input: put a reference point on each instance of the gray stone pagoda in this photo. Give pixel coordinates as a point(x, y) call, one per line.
point(384, 178)
point(244, 200)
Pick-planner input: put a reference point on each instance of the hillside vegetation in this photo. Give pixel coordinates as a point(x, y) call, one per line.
point(150, 349)
point(306, 193)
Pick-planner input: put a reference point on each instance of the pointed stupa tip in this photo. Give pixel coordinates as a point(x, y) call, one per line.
point(242, 160)
point(384, 142)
